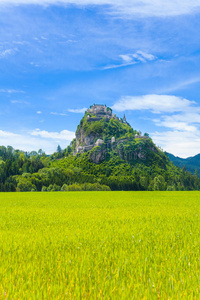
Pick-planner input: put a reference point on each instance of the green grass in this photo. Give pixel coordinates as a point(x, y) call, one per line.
point(100, 245)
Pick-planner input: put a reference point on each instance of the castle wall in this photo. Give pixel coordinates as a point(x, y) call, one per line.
point(94, 119)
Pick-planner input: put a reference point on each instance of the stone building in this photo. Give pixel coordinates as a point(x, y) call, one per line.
point(99, 142)
point(100, 111)
point(113, 140)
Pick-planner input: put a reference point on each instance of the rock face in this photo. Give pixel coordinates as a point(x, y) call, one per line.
point(83, 140)
point(98, 154)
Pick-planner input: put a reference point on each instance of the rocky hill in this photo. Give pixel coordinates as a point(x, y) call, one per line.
point(107, 153)
point(103, 132)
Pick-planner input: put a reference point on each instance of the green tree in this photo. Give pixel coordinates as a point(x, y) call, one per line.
point(159, 183)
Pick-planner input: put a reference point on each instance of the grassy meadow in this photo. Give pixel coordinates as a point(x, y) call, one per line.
point(100, 245)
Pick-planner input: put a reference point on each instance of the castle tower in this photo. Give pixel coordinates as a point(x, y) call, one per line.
point(124, 119)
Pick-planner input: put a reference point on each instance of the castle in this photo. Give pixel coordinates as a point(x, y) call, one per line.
point(96, 113)
point(102, 111)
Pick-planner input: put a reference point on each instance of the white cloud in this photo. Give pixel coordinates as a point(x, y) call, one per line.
point(155, 103)
point(37, 139)
point(192, 117)
point(132, 59)
point(180, 143)
point(127, 58)
point(19, 102)
point(20, 42)
point(138, 56)
point(187, 112)
point(182, 126)
point(182, 121)
point(6, 134)
point(144, 56)
point(39, 112)
point(6, 52)
point(127, 7)
point(34, 64)
point(11, 91)
point(77, 110)
point(58, 114)
point(62, 135)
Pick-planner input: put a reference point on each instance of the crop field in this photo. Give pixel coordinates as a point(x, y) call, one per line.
point(100, 245)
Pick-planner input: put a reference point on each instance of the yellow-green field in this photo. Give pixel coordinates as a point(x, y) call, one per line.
point(100, 245)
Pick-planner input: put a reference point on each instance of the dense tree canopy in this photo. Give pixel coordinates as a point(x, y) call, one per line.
point(135, 165)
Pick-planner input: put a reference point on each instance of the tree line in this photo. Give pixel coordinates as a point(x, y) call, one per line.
point(35, 171)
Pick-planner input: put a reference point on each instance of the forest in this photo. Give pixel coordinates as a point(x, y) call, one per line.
point(62, 171)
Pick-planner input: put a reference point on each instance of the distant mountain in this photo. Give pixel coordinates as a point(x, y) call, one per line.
point(191, 163)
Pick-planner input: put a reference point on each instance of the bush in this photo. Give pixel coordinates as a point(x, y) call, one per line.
point(44, 189)
point(74, 187)
point(53, 188)
point(64, 187)
point(25, 186)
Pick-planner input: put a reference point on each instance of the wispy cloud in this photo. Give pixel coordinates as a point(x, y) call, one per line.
point(58, 114)
point(132, 59)
point(181, 85)
point(121, 65)
point(126, 7)
point(77, 110)
point(6, 53)
point(39, 112)
point(11, 91)
point(34, 64)
point(19, 102)
point(138, 56)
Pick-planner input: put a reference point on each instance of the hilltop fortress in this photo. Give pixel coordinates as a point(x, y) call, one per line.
point(96, 112)
point(102, 111)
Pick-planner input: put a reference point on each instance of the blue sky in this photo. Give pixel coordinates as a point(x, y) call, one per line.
point(141, 58)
